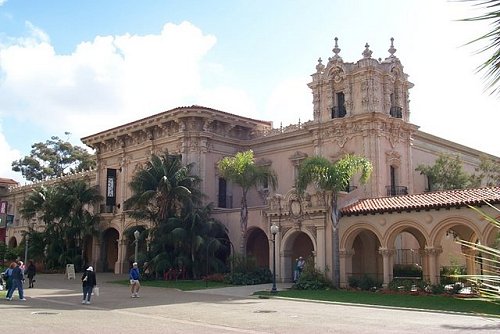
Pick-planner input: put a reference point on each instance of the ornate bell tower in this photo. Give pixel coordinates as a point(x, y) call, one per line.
point(363, 108)
point(342, 89)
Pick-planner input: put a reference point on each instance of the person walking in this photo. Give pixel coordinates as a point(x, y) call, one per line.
point(8, 277)
point(134, 276)
point(89, 281)
point(31, 272)
point(17, 283)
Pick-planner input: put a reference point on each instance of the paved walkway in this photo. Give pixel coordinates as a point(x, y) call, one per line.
point(54, 306)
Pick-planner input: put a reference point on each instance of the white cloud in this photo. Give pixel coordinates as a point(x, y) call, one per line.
point(7, 156)
point(104, 82)
point(290, 101)
point(2, 2)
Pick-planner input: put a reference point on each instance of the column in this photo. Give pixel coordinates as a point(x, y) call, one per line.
point(387, 255)
point(320, 248)
point(432, 254)
point(122, 254)
point(345, 266)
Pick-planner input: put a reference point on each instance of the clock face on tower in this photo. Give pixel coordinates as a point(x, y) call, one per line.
point(295, 208)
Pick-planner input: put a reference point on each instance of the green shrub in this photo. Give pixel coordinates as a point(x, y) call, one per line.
point(368, 283)
point(404, 284)
point(258, 276)
point(312, 278)
point(447, 274)
point(246, 272)
point(407, 270)
point(353, 282)
point(436, 289)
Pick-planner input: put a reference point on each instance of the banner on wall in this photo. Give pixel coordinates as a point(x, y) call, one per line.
point(3, 207)
point(111, 187)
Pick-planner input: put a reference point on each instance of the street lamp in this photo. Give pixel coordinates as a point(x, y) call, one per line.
point(274, 231)
point(136, 236)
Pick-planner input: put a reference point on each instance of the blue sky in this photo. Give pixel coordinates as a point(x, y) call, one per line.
point(85, 66)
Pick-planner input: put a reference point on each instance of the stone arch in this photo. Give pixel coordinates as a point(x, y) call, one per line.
point(360, 246)
point(12, 242)
point(295, 243)
point(443, 237)
point(407, 244)
point(409, 226)
point(349, 235)
point(459, 225)
point(109, 251)
point(491, 234)
point(257, 245)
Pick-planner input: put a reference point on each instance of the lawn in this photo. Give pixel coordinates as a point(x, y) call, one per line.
point(426, 302)
point(184, 285)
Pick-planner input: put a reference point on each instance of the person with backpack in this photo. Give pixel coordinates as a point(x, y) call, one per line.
point(7, 275)
point(89, 282)
point(17, 282)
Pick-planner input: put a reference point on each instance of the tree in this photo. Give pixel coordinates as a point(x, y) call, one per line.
point(491, 67)
point(332, 178)
point(447, 173)
point(66, 209)
point(243, 171)
point(162, 189)
point(53, 158)
point(489, 172)
point(192, 233)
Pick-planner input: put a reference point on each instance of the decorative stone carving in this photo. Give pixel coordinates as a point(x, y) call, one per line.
point(367, 53)
point(312, 230)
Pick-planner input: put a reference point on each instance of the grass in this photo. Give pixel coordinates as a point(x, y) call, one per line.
point(426, 302)
point(184, 285)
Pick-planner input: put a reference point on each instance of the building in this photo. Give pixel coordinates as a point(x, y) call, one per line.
point(359, 107)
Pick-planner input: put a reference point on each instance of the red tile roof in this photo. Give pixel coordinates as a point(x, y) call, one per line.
point(7, 181)
point(425, 201)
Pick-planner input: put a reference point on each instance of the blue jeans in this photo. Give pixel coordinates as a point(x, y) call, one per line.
point(16, 284)
point(87, 292)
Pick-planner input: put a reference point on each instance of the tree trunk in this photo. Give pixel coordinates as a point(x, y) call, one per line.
point(335, 242)
point(243, 222)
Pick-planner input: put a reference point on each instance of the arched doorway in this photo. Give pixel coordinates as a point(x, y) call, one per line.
point(407, 245)
point(258, 247)
point(109, 254)
point(455, 258)
point(366, 259)
point(12, 242)
point(296, 244)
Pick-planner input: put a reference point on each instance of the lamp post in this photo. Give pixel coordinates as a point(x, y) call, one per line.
point(274, 231)
point(26, 239)
point(136, 236)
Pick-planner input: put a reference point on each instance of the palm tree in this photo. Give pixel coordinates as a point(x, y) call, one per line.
point(162, 189)
point(79, 201)
point(332, 177)
point(488, 281)
point(243, 171)
point(192, 233)
point(491, 67)
point(67, 211)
